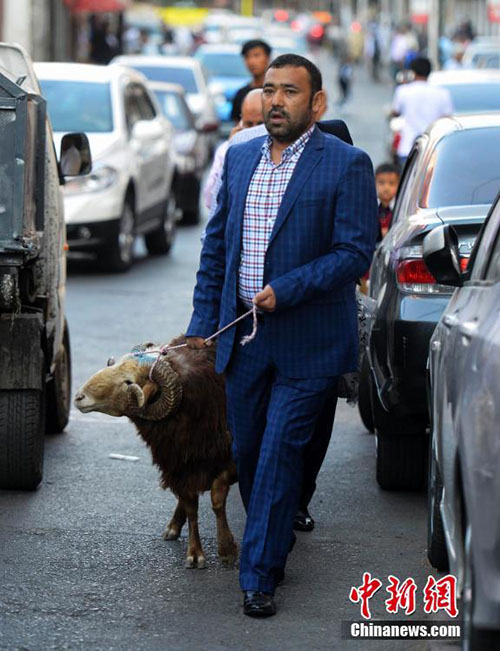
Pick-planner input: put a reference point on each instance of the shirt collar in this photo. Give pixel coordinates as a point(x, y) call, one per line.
point(291, 150)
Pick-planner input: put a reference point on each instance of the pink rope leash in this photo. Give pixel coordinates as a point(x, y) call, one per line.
point(244, 340)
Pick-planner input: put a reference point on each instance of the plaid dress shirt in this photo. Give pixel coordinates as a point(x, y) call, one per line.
point(265, 192)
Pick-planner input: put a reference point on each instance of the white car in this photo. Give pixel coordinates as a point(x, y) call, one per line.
point(186, 72)
point(129, 191)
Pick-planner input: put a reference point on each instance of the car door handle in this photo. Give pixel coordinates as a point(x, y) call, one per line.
point(468, 329)
point(450, 320)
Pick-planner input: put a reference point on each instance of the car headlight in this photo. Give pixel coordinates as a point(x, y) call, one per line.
point(99, 179)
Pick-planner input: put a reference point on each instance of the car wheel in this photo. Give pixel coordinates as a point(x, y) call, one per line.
point(474, 639)
point(364, 398)
point(401, 460)
point(21, 438)
point(190, 217)
point(119, 252)
point(159, 241)
point(59, 389)
point(437, 552)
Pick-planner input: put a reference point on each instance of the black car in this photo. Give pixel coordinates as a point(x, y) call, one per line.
point(452, 176)
point(192, 149)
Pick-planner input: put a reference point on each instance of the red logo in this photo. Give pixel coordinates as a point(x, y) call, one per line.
point(364, 593)
point(441, 595)
point(438, 594)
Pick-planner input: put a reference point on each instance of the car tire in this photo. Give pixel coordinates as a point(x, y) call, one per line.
point(160, 241)
point(120, 250)
point(437, 552)
point(21, 438)
point(190, 217)
point(401, 461)
point(58, 402)
point(364, 397)
point(474, 639)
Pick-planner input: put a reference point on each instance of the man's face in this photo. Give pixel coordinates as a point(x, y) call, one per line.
point(256, 61)
point(251, 114)
point(387, 186)
point(288, 107)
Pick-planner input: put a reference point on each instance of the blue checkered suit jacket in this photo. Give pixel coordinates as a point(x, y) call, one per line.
point(322, 242)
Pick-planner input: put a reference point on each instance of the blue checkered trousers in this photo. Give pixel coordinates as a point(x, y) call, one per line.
point(321, 242)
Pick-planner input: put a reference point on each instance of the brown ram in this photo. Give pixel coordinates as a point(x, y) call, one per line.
point(180, 412)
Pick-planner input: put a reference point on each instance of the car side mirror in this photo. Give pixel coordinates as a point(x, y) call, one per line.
point(75, 158)
point(147, 130)
point(442, 257)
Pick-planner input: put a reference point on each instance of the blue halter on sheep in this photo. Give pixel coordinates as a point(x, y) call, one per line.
point(177, 404)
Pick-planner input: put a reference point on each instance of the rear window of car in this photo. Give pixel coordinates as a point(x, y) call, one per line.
point(182, 76)
point(464, 169)
point(224, 64)
point(175, 110)
point(471, 98)
point(78, 105)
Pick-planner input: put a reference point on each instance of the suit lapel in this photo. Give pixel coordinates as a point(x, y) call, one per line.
point(242, 190)
point(311, 156)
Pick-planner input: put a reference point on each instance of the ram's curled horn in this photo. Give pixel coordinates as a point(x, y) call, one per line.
point(142, 348)
point(170, 392)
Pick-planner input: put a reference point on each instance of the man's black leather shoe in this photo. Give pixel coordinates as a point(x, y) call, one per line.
point(303, 521)
point(258, 604)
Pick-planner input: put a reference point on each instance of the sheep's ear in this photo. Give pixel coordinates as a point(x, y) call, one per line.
point(149, 390)
point(136, 395)
point(111, 361)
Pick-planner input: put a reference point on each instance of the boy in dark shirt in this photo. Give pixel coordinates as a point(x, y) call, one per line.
point(257, 55)
point(386, 181)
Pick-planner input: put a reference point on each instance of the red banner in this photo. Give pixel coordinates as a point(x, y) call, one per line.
point(96, 6)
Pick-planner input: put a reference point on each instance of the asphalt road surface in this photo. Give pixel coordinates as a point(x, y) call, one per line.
point(82, 561)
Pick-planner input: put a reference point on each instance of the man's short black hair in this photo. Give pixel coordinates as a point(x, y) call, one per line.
point(421, 66)
point(253, 44)
point(386, 168)
point(296, 61)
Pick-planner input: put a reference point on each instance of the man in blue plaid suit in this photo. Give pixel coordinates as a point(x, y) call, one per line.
point(294, 229)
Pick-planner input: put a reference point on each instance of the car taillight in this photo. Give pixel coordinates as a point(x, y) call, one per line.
point(395, 141)
point(414, 272)
point(414, 277)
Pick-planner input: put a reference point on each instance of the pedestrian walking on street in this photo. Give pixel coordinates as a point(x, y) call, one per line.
point(420, 104)
point(294, 228)
point(345, 79)
point(257, 55)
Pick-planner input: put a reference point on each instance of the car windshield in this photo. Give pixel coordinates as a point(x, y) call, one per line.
point(471, 98)
point(175, 110)
point(464, 170)
point(221, 64)
point(182, 76)
point(78, 105)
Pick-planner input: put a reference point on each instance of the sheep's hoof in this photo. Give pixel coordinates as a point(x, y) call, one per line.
point(229, 553)
point(193, 562)
point(171, 533)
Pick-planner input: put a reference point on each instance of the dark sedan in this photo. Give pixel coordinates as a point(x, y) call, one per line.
point(464, 483)
point(452, 176)
point(192, 150)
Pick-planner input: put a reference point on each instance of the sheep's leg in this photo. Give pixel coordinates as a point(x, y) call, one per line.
point(174, 527)
point(228, 549)
point(195, 556)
